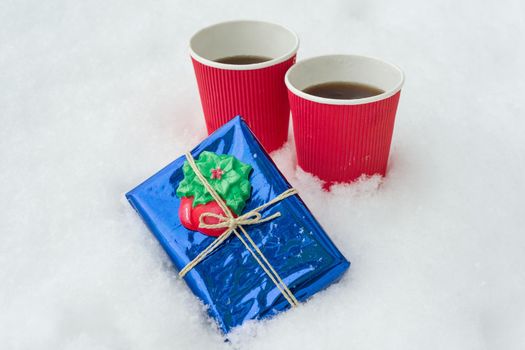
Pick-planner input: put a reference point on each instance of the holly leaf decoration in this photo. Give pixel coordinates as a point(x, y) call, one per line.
point(228, 176)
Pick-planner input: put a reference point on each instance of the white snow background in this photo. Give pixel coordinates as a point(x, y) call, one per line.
point(96, 96)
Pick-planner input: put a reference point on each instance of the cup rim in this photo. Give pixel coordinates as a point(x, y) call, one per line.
point(252, 66)
point(332, 101)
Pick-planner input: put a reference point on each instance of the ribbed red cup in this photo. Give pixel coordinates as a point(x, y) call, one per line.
point(255, 91)
point(340, 140)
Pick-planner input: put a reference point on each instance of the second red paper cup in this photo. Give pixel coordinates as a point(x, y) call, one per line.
point(240, 68)
point(338, 140)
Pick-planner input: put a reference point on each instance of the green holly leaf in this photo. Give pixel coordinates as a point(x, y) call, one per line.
point(226, 164)
point(232, 177)
point(228, 176)
point(245, 186)
point(183, 189)
point(244, 169)
point(222, 187)
point(188, 172)
point(236, 200)
point(207, 165)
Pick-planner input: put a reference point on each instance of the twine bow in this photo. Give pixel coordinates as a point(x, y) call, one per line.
point(235, 224)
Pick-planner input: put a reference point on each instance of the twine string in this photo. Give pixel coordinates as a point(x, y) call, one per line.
point(232, 225)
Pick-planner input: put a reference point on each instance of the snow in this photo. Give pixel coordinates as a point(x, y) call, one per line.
point(96, 96)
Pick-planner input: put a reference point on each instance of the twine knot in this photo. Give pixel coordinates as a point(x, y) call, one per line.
point(231, 223)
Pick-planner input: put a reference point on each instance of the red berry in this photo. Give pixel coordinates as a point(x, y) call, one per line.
point(217, 173)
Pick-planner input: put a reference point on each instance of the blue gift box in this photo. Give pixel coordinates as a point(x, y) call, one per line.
point(229, 281)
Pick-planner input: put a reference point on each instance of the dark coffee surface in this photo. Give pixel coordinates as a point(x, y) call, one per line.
point(342, 90)
point(243, 59)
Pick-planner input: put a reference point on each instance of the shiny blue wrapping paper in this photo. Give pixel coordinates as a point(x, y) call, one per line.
point(229, 281)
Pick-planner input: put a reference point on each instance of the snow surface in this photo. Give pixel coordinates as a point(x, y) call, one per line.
point(96, 96)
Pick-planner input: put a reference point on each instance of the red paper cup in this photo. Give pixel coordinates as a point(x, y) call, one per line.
point(339, 140)
point(254, 91)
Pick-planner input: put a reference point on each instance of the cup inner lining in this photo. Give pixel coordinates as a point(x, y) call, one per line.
point(359, 69)
point(243, 38)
